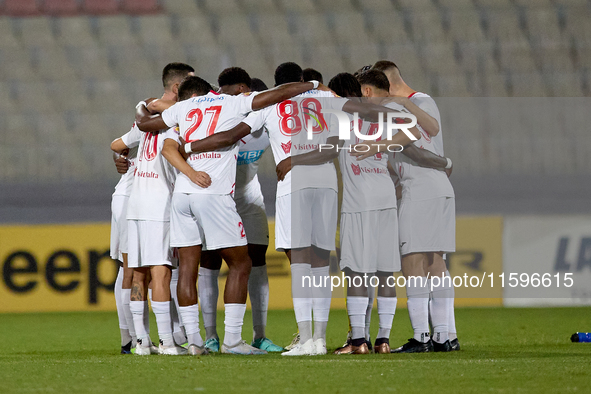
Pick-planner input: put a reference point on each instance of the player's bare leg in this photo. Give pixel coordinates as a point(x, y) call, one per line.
point(321, 296)
point(258, 290)
point(208, 288)
point(235, 294)
point(417, 292)
point(187, 295)
point(439, 305)
point(387, 301)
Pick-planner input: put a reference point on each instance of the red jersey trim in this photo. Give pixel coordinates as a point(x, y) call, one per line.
point(412, 94)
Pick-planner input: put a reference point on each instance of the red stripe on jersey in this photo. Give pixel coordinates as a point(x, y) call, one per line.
point(216, 93)
point(412, 94)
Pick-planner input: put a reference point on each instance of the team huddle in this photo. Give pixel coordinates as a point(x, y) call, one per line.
point(189, 197)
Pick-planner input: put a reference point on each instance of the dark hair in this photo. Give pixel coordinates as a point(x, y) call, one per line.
point(233, 76)
point(362, 70)
point(345, 85)
point(193, 85)
point(385, 65)
point(310, 74)
point(374, 78)
point(175, 71)
point(257, 85)
point(288, 72)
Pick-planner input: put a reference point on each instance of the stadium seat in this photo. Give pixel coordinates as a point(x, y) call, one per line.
point(37, 31)
point(208, 61)
point(334, 6)
point(100, 7)
point(406, 58)
point(275, 23)
point(181, 7)
point(115, 30)
point(131, 61)
point(301, 6)
point(253, 60)
point(313, 29)
point(527, 85)
point(388, 28)
point(377, 5)
point(222, 7)
point(534, 3)
point(52, 64)
point(140, 6)
point(516, 59)
point(71, 96)
point(34, 97)
point(492, 4)
point(196, 29)
point(90, 62)
point(20, 8)
point(75, 32)
point(281, 53)
point(149, 25)
point(229, 25)
point(451, 86)
point(426, 27)
point(108, 96)
point(16, 64)
point(142, 87)
point(7, 104)
point(61, 7)
point(495, 85)
point(439, 58)
point(359, 55)
point(457, 4)
point(6, 32)
point(504, 25)
point(326, 59)
point(260, 6)
point(543, 28)
point(477, 57)
point(566, 84)
point(417, 5)
point(464, 25)
point(556, 60)
point(349, 28)
point(161, 55)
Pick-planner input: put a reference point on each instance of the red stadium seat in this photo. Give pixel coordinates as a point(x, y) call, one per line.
point(21, 7)
point(100, 7)
point(141, 6)
point(60, 7)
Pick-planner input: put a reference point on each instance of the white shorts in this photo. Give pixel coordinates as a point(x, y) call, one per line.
point(254, 217)
point(210, 220)
point(427, 226)
point(118, 227)
point(149, 244)
point(368, 241)
point(306, 217)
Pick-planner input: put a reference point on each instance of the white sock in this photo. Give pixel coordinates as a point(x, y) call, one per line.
point(125, 300)
point(356, 308)
point(371, 294)
point(418, 308)
point(321, 301)
point(138, 311)
point(302, 304)
point(386, 311)
point(451, 322)
point(177, 324)
point(234, 319)
point(123, 328)
point(258, 290)
point(208, 290)
point(440, 310)
point(190, 318)
point(163, 321)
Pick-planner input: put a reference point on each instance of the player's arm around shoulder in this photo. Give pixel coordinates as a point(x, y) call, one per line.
point(170, 151)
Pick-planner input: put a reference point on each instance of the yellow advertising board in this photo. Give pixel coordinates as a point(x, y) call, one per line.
point(68, 268)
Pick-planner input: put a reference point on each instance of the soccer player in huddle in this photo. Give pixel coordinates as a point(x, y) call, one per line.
point(148, 215)
point(208, 215)
point(251, 208)
point(427, 224)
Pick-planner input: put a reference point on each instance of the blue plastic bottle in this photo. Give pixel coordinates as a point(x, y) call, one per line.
point(581, 337)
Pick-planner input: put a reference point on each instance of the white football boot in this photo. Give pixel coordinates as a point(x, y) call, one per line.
point(302, 349)
point(242, 348)
point(319, 347)
point(195, 350)
point(175, 350)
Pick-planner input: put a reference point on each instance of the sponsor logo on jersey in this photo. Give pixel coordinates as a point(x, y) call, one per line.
point(250, 156)
point(286, 147)
point(356, 169)
point(209, 155)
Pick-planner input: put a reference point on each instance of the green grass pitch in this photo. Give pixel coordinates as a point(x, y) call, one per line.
point(503, 350)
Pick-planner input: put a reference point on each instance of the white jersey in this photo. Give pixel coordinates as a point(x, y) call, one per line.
point(420, 183)
point(286, 124)
point(131, 139)
point(367, 185)
point(251, 150)
point(153, 181)
point(427, 104)
point(200, 117)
